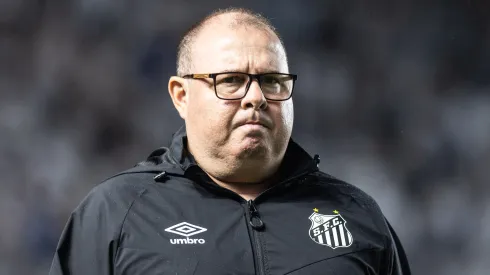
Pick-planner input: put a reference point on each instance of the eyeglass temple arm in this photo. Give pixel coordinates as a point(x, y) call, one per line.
point(200, 75)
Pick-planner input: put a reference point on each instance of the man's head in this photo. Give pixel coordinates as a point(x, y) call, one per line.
point(220, 132)
point(236, 17)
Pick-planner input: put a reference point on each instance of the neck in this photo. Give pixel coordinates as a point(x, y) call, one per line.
point(247, 182)
point(246, 190)
point(247, 178)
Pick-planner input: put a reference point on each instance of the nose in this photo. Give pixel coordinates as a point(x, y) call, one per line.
point(254, 97)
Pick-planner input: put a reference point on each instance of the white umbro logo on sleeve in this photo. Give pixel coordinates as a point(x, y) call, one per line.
point(186, 229)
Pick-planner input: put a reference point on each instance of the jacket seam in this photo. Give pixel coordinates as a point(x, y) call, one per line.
point(122, 225)
point(386, 238)
point(156, 171)
point(362, 250)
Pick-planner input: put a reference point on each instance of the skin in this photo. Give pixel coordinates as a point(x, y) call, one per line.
point(241, 158)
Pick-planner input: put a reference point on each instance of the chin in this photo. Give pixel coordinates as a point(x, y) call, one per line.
point(254, 150)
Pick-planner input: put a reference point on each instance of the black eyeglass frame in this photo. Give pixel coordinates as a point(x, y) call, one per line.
point(251, 78)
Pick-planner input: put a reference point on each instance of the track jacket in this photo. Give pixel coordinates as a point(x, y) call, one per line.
point(166, 216)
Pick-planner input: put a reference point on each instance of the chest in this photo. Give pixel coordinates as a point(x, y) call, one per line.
point(210, 236)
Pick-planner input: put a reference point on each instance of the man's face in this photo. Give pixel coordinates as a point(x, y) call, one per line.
point(217, 127)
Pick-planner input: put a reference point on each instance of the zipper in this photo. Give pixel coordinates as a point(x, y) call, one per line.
point(255, 225)
point(254, 220)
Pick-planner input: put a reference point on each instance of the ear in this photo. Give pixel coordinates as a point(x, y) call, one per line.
point(177, 89)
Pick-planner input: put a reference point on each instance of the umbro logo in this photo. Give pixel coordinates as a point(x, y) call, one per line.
point(186, 229)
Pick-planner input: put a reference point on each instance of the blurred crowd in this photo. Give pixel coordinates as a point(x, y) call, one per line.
point(393, 95)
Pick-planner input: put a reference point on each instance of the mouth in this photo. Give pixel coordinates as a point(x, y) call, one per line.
point(255, 122)
point(255, 125)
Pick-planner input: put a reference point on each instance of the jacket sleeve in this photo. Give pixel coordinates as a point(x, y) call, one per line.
point(398, 259)
point(88, 242)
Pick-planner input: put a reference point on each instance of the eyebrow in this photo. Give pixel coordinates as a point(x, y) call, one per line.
point(240, 71)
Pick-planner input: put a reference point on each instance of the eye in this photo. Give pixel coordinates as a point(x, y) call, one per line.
point(270, 79)
point(231, 79)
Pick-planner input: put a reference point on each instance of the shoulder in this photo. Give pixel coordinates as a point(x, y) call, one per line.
point(343, 188)
point(114, 195)
point(351, 196)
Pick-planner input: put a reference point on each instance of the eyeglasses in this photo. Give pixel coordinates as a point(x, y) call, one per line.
point(235, 85)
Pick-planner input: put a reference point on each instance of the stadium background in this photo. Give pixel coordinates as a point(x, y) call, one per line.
point(394, 96)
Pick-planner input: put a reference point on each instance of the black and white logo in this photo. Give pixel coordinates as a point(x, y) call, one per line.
point(186, 229)
point(330, 230)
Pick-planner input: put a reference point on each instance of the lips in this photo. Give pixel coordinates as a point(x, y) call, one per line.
point(255, 123)
point(255, 120)
point(258, 123)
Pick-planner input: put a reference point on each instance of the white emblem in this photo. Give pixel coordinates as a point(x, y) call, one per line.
point(186, 229)
point(330, 230)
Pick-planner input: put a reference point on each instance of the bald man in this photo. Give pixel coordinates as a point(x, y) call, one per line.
point(233, 193)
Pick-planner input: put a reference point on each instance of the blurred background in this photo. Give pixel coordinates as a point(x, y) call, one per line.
point(393, 95)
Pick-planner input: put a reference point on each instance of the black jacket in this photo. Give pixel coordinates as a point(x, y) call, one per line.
point(165, 216)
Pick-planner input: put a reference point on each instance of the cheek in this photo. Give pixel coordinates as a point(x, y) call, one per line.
point(289, 112)
point(199, 105)
point(209, 117)
point(285, 116)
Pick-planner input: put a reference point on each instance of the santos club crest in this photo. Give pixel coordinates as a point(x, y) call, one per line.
point(329, 230)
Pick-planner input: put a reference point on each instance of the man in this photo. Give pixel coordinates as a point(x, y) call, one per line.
point(233, 193)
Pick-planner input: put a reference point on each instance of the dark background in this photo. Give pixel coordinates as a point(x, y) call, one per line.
point(394, 96)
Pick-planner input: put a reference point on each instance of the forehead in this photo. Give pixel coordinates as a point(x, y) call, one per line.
point(220, 48)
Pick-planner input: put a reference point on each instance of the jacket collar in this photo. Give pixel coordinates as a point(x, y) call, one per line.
point(176, 159)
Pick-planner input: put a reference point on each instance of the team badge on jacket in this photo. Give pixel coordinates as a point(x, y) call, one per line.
point(329, 230)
